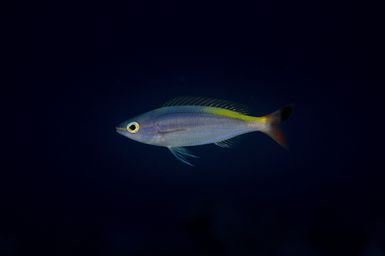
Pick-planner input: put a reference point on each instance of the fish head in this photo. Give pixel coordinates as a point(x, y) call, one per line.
point(142, 129)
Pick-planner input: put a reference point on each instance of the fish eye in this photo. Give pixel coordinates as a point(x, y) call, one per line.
point(133, 127)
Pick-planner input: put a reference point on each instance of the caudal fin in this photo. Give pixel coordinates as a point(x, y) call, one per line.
point(272, 124)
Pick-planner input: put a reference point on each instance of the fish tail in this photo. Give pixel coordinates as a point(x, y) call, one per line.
point(272, 122)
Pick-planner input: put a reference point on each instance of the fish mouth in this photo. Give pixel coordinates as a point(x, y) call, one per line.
point(120, 130)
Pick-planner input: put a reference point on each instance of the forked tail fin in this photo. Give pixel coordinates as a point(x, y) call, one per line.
point(272, 124)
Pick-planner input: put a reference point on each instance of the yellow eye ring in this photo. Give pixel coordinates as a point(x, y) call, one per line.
point(133, 127)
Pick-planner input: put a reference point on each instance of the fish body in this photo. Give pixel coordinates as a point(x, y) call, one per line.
point(193, 124)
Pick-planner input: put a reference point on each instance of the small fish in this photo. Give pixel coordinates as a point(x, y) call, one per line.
point(191, 121)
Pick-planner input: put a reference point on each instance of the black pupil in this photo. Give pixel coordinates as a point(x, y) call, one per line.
point(132, 127)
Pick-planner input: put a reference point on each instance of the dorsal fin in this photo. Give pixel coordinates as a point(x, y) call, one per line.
point(210, 102)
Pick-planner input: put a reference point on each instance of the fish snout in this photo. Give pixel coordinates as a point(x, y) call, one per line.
point(120, 130)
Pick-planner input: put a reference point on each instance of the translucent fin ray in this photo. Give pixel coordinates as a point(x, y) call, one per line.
point(225, 143)
point(182, 154)
point(210, 102)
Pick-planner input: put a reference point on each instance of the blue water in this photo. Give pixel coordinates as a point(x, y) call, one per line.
point(76, 187)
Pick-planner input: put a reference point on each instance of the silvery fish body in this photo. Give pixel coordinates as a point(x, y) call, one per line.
point(197, 121)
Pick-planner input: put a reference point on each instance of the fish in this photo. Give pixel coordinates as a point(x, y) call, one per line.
point(193, 121)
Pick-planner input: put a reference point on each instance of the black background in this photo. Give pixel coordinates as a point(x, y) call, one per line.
point(71, 185)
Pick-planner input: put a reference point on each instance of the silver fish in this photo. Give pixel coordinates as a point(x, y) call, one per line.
point(189, 121)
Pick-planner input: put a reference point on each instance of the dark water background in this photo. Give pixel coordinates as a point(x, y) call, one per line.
point(73, 186)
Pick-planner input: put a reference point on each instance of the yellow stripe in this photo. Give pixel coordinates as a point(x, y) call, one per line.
point(234, 114)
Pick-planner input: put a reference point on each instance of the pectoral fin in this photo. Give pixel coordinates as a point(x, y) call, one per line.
point(166, 131)
point(182, 154)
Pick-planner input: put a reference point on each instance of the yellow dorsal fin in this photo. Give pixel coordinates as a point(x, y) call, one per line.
point(209, 102)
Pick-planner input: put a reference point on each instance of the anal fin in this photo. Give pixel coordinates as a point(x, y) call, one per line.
point(225, 143)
